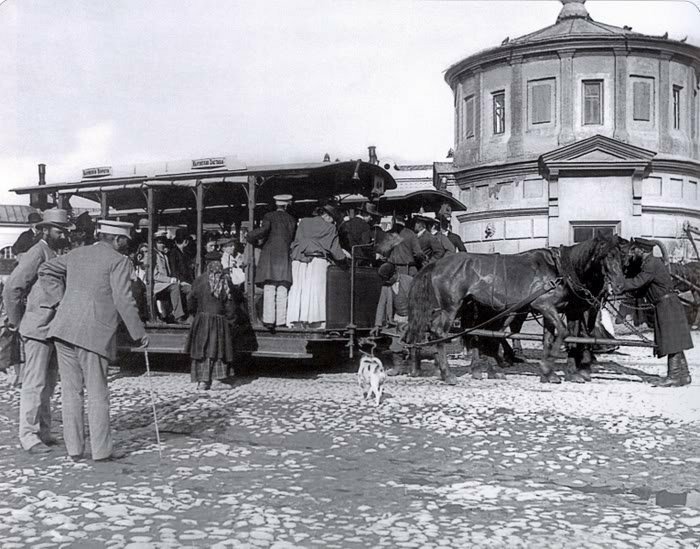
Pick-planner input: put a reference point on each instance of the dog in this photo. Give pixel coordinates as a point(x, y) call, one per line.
point(371, 377)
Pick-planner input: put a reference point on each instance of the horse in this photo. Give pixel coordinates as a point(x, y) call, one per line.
point(550, 281)
point(686, 278)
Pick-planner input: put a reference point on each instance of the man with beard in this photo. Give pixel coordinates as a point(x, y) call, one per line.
point(671, 333)
point(39, 375)
point(97, 282)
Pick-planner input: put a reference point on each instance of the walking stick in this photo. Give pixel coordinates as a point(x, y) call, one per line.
point(153, 402)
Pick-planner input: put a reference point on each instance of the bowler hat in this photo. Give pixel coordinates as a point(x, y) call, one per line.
point(34, 217)
point(643, 244)
point(58, 218)
point(386, 271)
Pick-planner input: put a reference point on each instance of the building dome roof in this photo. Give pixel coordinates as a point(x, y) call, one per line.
point(574, 27)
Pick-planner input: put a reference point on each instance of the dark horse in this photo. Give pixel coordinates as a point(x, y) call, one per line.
point(570, 280)
point(686, 278)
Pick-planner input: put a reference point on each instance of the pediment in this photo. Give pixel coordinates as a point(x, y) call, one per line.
point(596, 153)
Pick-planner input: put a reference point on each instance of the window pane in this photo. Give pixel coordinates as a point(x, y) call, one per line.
point(641, 92)
point(605, 231)
point(469, 116)
point(499, 112)
point(582, 233)
point(677, 107)
point(541, 103)
point(592, 99)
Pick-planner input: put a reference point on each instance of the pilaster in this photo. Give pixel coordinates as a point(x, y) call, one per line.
point(637, 186)
point(553, 184)
point(621, 78)
point(665, 144)
point(517, 104)
point(566, 103)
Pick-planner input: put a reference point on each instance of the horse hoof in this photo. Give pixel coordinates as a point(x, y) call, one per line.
point(414, 373)
point(450, 380)
point(577, 378)
point(497, 375)
point(585, 373)
point(477, 375)
point(554, 378)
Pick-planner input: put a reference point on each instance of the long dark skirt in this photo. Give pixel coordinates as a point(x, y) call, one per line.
point(208, 370)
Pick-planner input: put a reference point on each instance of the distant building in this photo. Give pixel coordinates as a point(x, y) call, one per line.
point(578, 128)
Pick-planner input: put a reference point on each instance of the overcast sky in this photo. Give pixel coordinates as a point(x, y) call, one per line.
point(108, 82)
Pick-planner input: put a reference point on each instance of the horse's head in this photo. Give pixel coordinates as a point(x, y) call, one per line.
point(613, 253)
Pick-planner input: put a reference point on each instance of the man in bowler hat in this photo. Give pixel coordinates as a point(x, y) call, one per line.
point(40, 369)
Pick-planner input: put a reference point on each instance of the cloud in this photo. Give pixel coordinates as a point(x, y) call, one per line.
point(93, 147)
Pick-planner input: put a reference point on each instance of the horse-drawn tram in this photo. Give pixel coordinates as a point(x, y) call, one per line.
point(221, 192)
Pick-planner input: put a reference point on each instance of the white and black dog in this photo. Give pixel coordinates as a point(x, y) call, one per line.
point(371, 377)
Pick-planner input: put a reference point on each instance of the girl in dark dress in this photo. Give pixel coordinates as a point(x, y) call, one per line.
point(210, 341)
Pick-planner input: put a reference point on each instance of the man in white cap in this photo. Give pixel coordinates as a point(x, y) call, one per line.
point(97, 282)
point(39, 375)
point(274, 269)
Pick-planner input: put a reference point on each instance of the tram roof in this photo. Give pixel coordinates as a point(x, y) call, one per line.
point(402, 202)
point(227, 186)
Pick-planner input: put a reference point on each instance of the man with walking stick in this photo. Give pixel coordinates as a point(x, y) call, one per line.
point(97, 281)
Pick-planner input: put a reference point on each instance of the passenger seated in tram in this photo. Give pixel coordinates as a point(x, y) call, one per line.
point(316, 241)
point(166, 284)
point(446, 243)
point(454, 238)
point(405, 253)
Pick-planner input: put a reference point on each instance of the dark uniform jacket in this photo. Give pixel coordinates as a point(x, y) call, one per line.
point(354, 232)
point(671, 332)
point(276, 233)
point(407, 252)
point(316, 238)
point(24, 241)
point(431, 247)
point(456, 241)
point(181, 265)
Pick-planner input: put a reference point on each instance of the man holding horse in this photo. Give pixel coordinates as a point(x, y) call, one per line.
point(671, 333)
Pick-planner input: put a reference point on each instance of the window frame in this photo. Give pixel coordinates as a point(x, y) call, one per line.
point(498, 112)
point(676, 101)
point(649, 82)
point(600, 84)
point(469, 109)
point(594, 226)
point(531, 85)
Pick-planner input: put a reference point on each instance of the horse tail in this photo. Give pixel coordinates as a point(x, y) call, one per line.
point(421, 303)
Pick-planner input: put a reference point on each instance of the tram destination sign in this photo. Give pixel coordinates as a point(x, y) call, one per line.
point(213, 162)
point(97, 172)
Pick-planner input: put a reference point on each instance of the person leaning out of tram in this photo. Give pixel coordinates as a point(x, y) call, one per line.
point(210, 342)
point(392, 314)
point(430, 245)
point(405, 251)
point(315, 244)
point(671, 333)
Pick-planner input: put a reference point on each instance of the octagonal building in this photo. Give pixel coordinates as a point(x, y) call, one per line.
point(577, 128)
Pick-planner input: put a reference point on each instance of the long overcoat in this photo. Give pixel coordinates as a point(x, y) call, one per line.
point(277, 233)
point(671, 333)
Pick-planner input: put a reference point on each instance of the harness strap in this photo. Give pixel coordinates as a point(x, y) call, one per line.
point(551, 285)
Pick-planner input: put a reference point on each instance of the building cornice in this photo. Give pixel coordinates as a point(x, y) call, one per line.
point(632, 44)
point(676, 165)
point(513, 212)
point(672, 210)
point(496, 171)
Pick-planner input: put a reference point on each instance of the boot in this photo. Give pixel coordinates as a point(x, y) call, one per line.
point(678, 374)
point(399, 365)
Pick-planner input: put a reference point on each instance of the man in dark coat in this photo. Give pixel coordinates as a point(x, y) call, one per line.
point(452, 237)
point(430, 246)
point(274, 269)
point(28, 238)
point(357, 231)
point(407, 255)
point(671, 333)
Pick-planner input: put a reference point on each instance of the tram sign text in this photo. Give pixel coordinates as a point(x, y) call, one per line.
point(203, 163)
point(97, 172)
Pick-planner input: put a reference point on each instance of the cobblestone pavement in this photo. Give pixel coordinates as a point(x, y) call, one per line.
point(304, 462)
